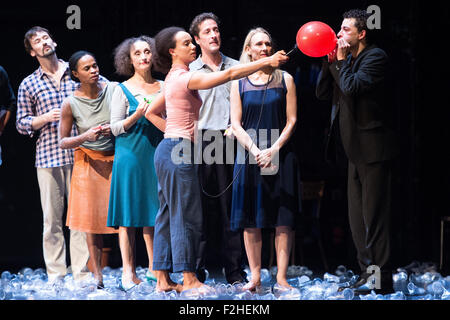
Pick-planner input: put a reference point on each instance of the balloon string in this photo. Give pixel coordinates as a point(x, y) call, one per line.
point(293, 49)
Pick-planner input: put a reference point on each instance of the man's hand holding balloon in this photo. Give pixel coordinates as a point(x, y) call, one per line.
point(332, 56)
point(343, 49)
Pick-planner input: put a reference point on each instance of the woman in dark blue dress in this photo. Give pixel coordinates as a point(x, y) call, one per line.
point(267, 191)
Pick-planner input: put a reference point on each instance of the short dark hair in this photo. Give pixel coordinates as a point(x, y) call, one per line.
point(361, 17)
point(30, 34)
point(194, 28)
point(122, 59)
point(73, 62)
point(165, 40)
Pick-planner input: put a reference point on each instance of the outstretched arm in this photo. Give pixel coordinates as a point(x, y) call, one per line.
point(202, 81)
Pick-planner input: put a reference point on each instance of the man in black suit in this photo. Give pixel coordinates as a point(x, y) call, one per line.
point(354, 77)
point(7, 102)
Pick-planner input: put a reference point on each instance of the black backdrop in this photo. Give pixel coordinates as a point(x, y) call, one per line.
point(412, 32)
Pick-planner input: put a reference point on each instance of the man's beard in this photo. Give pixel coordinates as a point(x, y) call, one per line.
point(48, 53)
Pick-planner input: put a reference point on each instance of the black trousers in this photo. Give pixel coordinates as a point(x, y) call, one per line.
point(219, 245)
point(370, 213)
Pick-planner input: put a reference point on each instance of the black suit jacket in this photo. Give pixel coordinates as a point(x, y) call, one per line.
point(358, 91)
point(7, 98)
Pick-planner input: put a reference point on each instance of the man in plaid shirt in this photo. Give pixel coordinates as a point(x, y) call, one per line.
point(38, 109)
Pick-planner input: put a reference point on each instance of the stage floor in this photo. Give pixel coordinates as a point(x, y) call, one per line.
point(29, 284)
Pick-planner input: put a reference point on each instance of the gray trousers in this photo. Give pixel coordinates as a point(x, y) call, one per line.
point(54, 184)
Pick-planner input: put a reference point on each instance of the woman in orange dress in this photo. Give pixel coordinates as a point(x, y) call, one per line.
point(89, 110)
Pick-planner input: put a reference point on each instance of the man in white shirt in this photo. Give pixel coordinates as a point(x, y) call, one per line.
point(215, 178)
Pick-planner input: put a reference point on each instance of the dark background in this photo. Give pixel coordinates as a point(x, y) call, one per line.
point(413, 33)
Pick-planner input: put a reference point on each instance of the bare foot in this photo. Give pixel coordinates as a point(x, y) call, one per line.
point(164, 283)
point(136, 279)
point(283, 283)
point(168, 286)
point(98, 276)
point(131, 278)
point(201, 287)
point(192, 284)
point(190, 281)
point(252, 286)
point(99, 280)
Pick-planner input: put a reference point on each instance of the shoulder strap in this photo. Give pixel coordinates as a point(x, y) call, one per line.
point(283, 82)
point(128, 94)
point(241, 86)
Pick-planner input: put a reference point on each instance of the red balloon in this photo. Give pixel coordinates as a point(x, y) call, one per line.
point(316, 39)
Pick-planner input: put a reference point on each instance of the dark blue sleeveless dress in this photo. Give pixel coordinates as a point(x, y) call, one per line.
point(265, 201)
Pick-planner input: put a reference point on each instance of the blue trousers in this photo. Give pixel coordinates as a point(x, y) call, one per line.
point(179, 220)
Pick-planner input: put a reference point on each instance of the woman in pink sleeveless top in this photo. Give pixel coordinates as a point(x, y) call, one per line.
point(178, 222)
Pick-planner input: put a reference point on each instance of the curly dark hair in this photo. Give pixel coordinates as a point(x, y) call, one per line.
point(165, 40)
point(361, 17)
point(122, 60)
point(30, 34)
point(73, 62)
point(194, 28)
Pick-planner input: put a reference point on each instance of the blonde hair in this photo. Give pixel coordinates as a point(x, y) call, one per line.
point(245, 58)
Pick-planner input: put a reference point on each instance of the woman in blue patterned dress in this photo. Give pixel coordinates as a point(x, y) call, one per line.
point(266, 193)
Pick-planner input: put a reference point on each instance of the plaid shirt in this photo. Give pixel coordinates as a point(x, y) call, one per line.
point(38, 94)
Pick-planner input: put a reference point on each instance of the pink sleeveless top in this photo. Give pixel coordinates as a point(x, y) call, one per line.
point(182, 104)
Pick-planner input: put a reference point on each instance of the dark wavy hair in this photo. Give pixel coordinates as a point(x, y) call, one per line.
point(361, 17)
point(73, 62)
point(30, 34)
point(122, 59)
point(165, 40)
point(195, 29)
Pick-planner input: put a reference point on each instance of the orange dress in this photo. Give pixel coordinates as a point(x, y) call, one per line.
point(89, 191)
